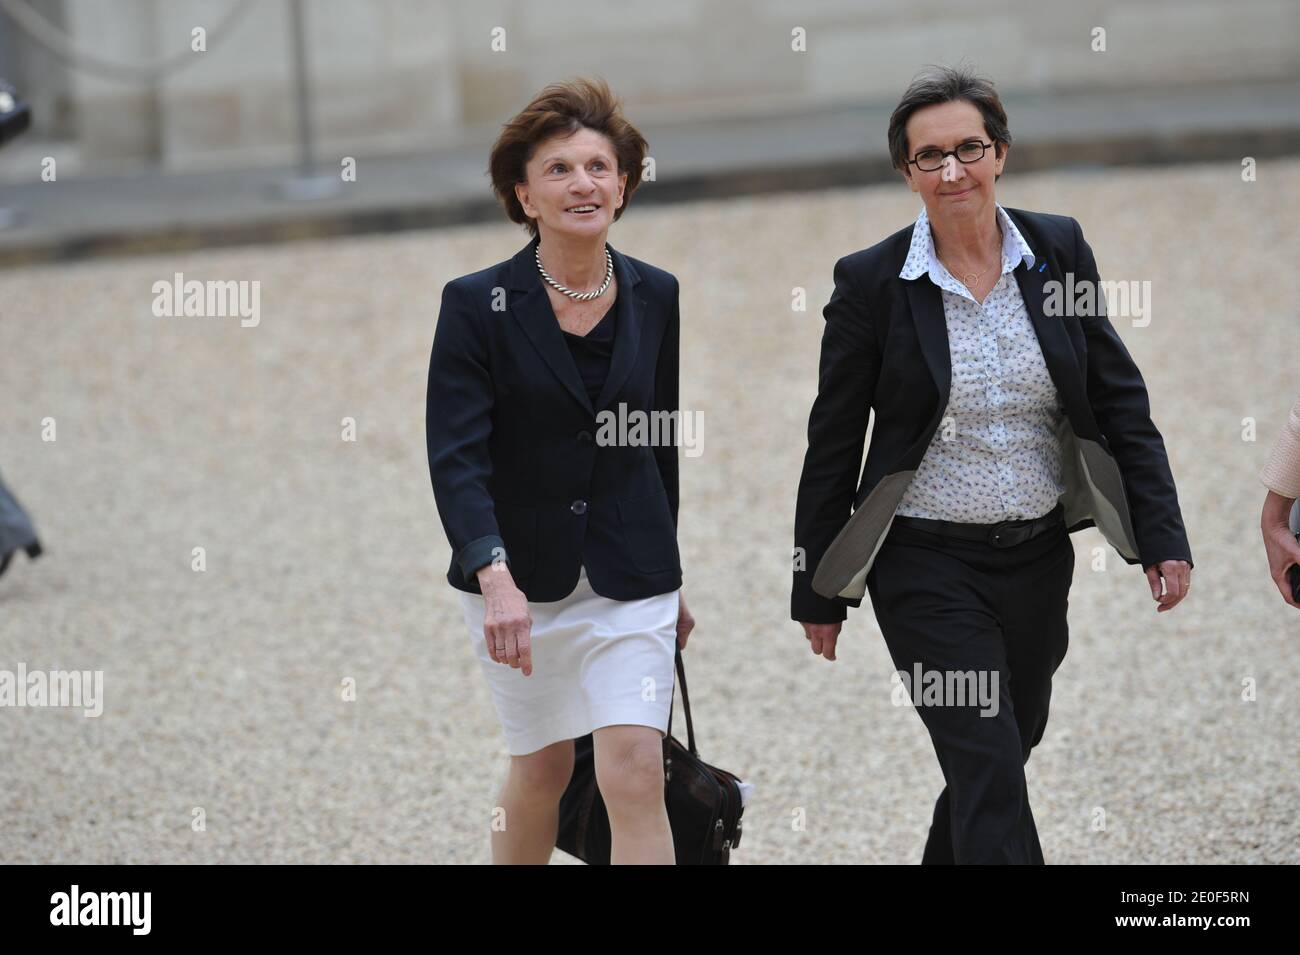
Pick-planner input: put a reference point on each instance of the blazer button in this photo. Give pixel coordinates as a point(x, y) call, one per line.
point(578, 507)
point(584, 437)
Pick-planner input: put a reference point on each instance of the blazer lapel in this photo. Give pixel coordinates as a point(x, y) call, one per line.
point(926, 306)
point(932, 330)
point(533, 312)
point(1054, 342)
point(627, 332)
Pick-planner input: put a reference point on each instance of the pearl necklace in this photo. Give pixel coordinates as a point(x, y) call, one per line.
point(565, 290)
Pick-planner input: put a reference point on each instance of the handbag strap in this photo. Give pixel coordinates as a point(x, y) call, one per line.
point(686, 705)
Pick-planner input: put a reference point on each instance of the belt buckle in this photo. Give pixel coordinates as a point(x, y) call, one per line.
point(1001, 535)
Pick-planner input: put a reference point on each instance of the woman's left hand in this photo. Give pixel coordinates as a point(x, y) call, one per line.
point(1280, 544)
point(685, 622)
point(1178, 577)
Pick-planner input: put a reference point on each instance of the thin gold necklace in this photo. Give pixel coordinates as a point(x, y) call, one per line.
point(969, 279)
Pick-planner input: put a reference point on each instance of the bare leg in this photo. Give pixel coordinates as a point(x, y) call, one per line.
point(525, 823)
point(630, 774)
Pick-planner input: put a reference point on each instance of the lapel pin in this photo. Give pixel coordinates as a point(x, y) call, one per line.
point(1043, 266)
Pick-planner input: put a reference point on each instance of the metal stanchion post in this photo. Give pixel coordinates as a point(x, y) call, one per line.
point(306, 184)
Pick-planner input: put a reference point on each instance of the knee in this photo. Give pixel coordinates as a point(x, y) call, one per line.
point(545, 774)
point(987, 768)
point(1027, 743)
point(1032, 725)
point(634, 776)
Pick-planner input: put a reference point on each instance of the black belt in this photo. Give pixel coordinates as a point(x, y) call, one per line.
point(1001, 534)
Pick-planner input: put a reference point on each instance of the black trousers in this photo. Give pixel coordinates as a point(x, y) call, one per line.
point(953, 605)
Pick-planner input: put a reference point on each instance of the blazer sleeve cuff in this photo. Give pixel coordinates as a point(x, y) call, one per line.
point(1145, 560)
point(809, 607)
point(479, 552)
point(826, 615)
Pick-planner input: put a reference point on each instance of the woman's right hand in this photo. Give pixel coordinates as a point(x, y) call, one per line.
point(507, 625)
point(822, 637)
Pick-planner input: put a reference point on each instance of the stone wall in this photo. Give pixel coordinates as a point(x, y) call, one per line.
point(405, 76)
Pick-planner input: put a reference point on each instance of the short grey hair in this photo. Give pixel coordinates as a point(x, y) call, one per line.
point(946, 84)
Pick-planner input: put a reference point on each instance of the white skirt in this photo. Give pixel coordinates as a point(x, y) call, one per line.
point(596, 662)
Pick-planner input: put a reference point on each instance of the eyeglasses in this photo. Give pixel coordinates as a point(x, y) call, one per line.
point(928, 160)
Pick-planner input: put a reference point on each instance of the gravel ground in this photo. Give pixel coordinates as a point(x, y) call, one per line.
point(325, 558)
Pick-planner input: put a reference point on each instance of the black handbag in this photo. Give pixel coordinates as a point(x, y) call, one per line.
point(1293, 573)
point(704, 804)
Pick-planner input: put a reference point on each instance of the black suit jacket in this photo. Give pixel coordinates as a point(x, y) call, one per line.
point(885, 349)
point(519, 467)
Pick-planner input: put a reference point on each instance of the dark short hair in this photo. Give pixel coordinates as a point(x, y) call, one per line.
point(557, 109)
point(945, 84)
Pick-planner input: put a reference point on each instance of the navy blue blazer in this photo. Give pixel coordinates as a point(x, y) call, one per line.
point(520, 469)
point(885, 351)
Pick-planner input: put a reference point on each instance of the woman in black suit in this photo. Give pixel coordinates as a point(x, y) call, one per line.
point(562, 512)
point(1008, 415)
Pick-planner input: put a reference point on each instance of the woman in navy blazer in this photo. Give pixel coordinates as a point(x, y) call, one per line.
point(1008, 414)
point(563, 520)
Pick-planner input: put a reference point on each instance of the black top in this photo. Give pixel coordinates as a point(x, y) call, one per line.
point(591, 352)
